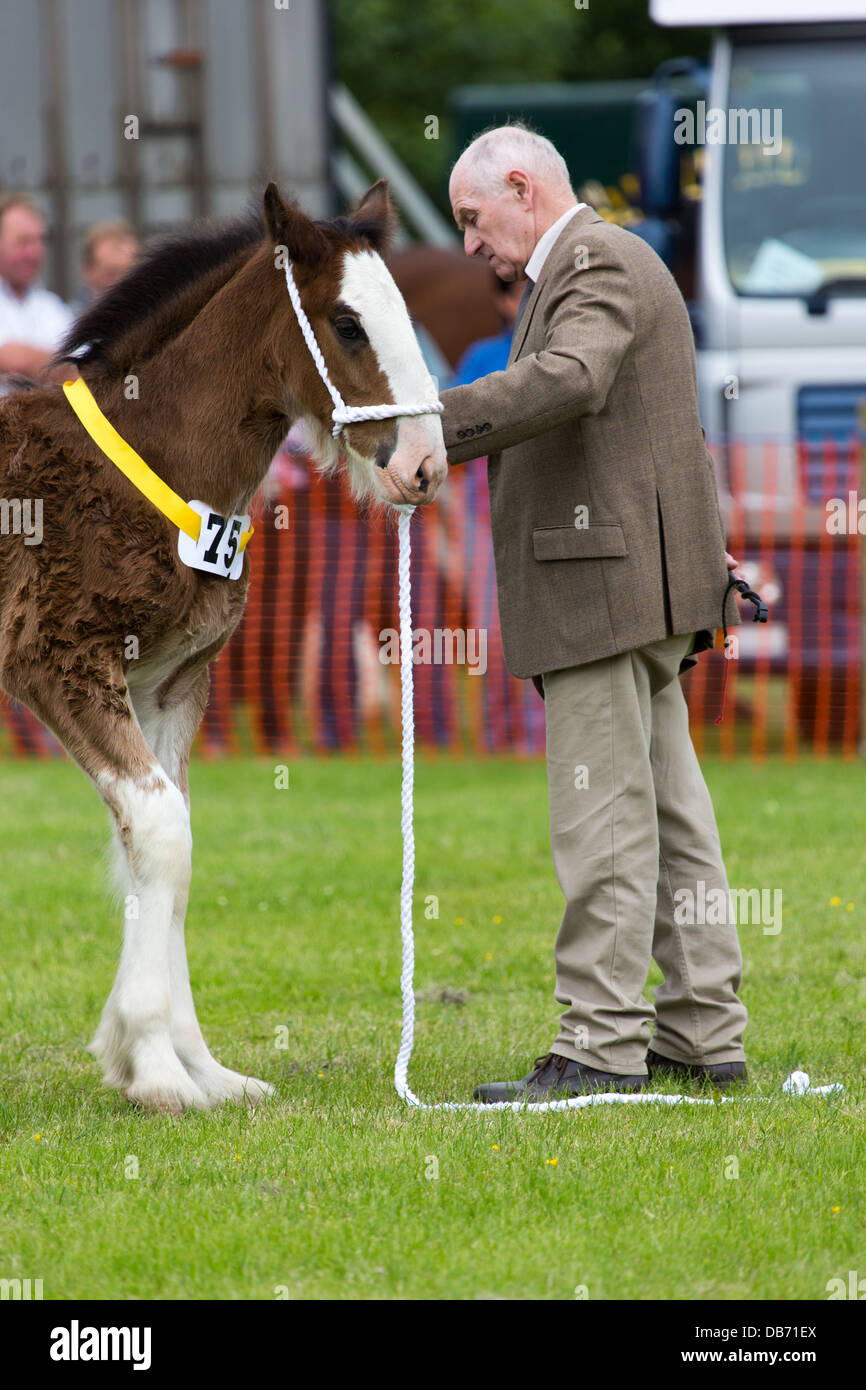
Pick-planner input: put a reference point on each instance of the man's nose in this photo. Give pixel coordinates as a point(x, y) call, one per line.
point(472, 243)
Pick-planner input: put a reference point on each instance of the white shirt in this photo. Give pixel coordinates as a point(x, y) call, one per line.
point(40, 319)
point(544, 245)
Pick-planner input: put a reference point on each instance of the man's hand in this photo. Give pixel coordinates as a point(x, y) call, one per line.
point(732, 566)
point(18, 359)
point(22, 360)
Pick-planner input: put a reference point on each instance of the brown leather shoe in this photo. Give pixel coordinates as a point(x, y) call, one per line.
point(721, 1074)
point(555, 1077)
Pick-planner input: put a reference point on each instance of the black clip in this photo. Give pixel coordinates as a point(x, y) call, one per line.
point(741, 585)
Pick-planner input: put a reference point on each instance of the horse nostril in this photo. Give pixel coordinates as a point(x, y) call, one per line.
point(421, 478)
point(382, 456)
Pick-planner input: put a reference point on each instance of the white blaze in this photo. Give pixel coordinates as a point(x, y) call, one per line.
point(369, 289)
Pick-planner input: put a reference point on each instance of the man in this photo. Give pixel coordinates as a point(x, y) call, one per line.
point(611, 572)
point(108, 251)
point(33, 321)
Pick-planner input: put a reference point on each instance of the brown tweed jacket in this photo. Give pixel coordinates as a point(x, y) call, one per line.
point(606, 526)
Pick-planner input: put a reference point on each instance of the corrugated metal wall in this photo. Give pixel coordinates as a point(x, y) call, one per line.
point(227, 94)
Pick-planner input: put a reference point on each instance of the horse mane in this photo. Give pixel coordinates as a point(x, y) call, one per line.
point(168, 268)
point(173, 278)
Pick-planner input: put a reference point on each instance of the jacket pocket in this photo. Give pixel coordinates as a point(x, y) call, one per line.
point(596, 542)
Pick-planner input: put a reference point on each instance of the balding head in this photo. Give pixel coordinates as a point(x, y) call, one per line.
point(506, 189)
point(486, 162)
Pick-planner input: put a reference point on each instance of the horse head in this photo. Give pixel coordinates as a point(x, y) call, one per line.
point(371, 354)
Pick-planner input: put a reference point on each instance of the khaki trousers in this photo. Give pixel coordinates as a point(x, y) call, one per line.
point(631, 823)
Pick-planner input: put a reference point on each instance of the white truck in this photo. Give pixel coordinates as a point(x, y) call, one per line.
point(777, 128)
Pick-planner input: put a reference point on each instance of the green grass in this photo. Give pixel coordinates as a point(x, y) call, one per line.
point(294, 926)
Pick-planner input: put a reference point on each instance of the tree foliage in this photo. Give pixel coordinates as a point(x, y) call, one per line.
point(401, 58)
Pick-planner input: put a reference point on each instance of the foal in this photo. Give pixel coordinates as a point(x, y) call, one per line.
point(197, 360)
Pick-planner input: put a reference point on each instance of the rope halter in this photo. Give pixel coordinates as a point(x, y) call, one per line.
point(343, 414)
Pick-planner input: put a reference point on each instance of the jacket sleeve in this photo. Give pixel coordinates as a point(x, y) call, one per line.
point(589, 324)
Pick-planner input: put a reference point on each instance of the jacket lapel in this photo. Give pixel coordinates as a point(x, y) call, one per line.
point(581, 218)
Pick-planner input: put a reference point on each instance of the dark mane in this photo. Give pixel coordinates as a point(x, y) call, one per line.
point(166, 268)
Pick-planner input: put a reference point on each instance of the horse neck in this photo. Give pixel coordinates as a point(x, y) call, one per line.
point(212, 410)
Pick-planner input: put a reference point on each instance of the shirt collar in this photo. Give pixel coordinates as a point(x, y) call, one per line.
point(8, 293)
point(545, 243)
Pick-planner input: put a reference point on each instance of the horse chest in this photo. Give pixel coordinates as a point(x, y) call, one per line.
point(193, 638)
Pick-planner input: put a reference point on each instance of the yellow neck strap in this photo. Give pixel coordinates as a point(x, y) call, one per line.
point(115, 447)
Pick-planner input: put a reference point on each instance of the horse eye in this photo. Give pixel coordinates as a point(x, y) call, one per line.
point(349, 328)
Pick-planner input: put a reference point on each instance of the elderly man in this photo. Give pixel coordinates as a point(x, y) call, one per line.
point(611, 572)
point(33, 321)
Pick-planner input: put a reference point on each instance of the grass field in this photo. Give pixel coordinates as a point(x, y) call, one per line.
point(335, 1190)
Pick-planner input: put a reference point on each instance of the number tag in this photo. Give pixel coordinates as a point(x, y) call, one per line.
point(217, 550)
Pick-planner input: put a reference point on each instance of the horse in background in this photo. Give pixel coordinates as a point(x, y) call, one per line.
point(449, 293)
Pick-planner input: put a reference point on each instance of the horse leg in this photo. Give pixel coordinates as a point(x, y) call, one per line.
point(169, 720)
point(88, 708)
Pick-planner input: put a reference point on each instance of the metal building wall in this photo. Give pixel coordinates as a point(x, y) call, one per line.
point(227, 93)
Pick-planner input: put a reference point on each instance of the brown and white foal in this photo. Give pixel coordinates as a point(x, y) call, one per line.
point(197, 360)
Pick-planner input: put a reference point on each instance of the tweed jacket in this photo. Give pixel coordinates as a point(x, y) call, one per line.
point(606, 527)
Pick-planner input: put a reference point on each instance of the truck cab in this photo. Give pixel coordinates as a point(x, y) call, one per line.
point(777, 127)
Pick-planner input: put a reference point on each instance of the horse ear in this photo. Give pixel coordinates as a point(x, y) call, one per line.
point(290, 226)
point(374, 216)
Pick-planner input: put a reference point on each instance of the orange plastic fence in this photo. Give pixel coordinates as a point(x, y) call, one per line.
point(313, 666)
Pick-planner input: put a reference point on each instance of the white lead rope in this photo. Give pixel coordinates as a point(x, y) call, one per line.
point(343, 414)
point(797, 1083)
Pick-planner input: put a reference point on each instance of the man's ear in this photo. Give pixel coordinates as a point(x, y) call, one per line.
point(374, 218)
point(289, 226)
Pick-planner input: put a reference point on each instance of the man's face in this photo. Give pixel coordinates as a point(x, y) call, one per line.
point(113, 256)
point(500, 227)
point(22, 247)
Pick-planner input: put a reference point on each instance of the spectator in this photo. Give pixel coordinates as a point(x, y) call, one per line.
point(513, 718)
point(434, 360)
point(108, 251)
point(33, 321)
point(491, 354)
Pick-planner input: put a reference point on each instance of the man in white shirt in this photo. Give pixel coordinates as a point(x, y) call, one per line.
point(33, 321)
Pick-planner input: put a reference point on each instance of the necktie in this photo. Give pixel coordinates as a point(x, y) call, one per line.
point(530, 286)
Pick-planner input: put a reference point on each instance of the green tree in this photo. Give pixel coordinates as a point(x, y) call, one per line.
point(401, 58)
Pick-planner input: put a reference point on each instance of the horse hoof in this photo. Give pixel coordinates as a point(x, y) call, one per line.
point(166, 1100)
point(256, 1091)
point(225, 1085)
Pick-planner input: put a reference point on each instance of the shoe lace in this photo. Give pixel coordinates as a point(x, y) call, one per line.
point(559, 1061)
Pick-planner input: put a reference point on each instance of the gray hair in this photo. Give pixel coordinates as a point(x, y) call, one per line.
point(489, 156)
